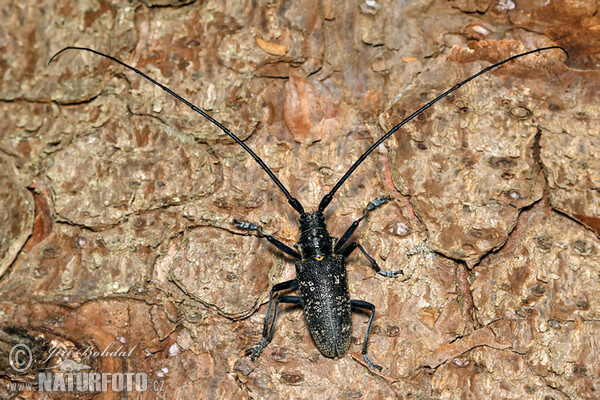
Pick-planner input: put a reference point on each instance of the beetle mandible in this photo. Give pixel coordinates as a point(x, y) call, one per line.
point(319, 258)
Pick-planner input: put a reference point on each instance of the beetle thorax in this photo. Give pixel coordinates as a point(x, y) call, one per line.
point(315, 241)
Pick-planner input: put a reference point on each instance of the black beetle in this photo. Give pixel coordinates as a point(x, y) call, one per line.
point(320, 270)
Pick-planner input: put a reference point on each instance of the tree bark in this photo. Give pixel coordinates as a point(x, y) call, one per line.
point(117, 201)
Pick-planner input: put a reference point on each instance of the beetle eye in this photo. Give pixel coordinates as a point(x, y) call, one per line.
point(319, 258)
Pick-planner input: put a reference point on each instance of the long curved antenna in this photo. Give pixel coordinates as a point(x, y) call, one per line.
point(327, 198)
point(293, 202)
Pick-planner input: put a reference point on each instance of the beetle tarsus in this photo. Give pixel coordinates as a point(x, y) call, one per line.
point(371, 363)
point(255, 351)
point(247, 226)
point(390, 274)
point(377, 203)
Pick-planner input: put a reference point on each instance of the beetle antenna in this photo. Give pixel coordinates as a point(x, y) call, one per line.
point(293, 202)
point(327, 198)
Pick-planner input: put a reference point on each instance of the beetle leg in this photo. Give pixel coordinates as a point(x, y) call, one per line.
point(363, 305)
point(370, 207)
point(255, 351)
point(268, 333)
point(348, 250)
point(248, 226)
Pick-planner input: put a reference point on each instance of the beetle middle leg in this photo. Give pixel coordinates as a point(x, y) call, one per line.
point(363, 305)
point(268, 332)
point(352, 246)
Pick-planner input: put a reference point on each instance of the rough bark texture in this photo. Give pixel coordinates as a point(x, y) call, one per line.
point(116, 201)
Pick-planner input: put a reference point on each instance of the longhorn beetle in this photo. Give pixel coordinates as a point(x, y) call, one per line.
point(319, 258)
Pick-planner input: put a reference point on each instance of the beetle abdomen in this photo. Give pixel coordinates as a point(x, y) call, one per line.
point(323, 289)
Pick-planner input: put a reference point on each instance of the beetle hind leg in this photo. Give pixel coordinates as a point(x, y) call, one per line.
point(255, 351)
point(363, 305)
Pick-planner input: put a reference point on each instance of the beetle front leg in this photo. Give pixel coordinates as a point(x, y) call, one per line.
point(248, 226)
point(363, 305)
point(255, 351)
point(378, 202)
point(348, 250)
